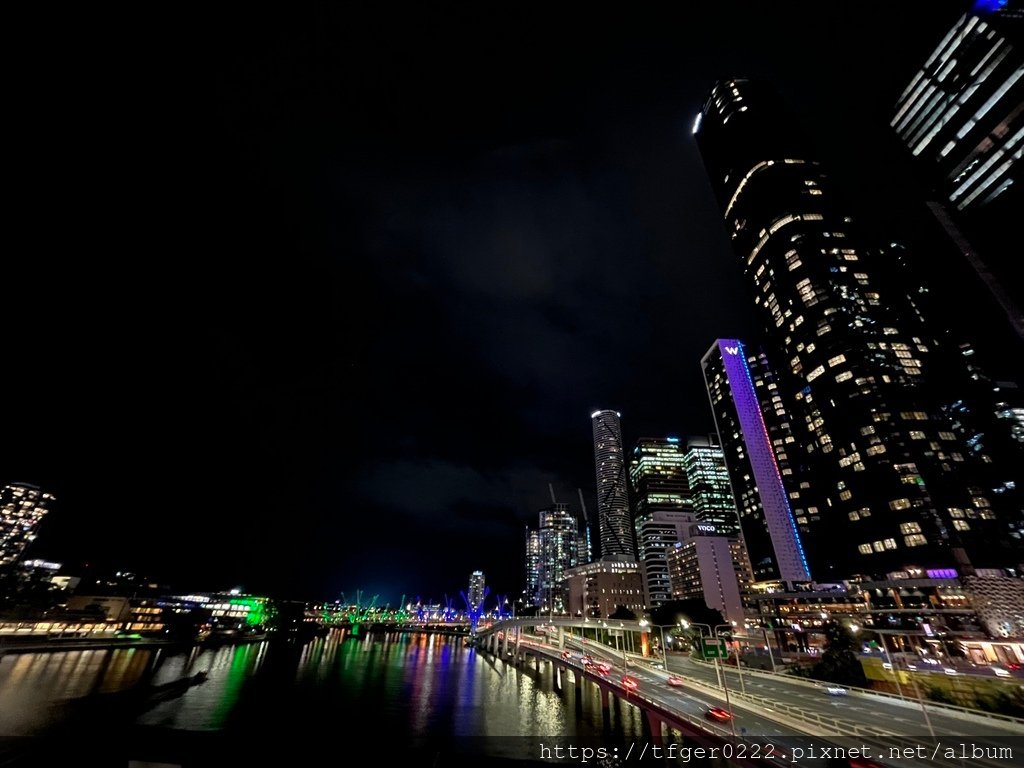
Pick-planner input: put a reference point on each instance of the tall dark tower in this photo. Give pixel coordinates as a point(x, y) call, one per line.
point(612, 500)
point(756, 437)
point(894, 486)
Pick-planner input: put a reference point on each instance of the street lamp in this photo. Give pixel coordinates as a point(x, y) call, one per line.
point(924, 711)
point(885, 649)
point(661, 628)
point(768, 645)
point(739, 671)
point(620, 639)
point(723, 681)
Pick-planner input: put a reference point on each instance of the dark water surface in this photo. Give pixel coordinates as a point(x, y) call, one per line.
point(422, 697)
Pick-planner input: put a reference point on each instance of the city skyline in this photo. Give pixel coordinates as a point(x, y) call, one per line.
point(400, 289)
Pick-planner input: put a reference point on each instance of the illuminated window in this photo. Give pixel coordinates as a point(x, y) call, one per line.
point(864, 549)
point(834, 361)
point(854, 516)
point(910, 528)
point(961, 525)
point(899, 504)
point(890, 543)
point(914, 540)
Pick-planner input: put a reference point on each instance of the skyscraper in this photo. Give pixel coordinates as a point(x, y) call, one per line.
point(961, 117)
point(753, 452)
point(22, 509)
point(477, 589)
point(532, 593)
point(962, 111)
point(713, 568)
point(710, 492)
point(616, 531)
point(661, 509)
point(893, 484)
point(559, 545)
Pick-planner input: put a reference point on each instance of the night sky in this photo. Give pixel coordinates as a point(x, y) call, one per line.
point(322, 301)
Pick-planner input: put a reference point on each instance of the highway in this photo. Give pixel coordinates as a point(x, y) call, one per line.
point(855, 707)
point(846, 721)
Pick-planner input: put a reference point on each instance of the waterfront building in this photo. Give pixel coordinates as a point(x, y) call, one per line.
point(22, 509)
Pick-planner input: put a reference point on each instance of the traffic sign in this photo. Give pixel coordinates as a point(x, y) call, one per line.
point(709, 651)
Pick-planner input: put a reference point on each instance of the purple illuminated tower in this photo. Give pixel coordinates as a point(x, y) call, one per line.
point(762, 498)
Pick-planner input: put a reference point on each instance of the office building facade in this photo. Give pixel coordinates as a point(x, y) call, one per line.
point(712, 568)
point(598, 589)
point(710, 491)
point(660, 494)
point(744, 402)
point(532, 591)
point(560, 545)
point(962, 110)
point(893, 485)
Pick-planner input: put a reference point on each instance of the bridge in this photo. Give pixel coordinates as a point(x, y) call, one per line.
point(776, 717)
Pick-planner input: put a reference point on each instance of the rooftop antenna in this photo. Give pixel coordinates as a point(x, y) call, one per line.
point(551, 488)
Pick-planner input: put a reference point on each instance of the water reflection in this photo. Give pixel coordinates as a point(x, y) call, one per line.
point(418, 686)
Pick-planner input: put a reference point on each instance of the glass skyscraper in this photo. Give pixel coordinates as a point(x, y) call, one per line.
point(962, 111)
point(755, 437)
point(614, 524)
point(661, 509)
point(560, 546)
point(710, 492)
point(893, 485)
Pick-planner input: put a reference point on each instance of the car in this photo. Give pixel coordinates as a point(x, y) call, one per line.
point(1000, 672)
point(950, 671)
point(835, 690)
point(719, 714)
point(565, 655)
point(1012, 666)
point(630, 683)
point(588, 659)
point(674, 680)
point(603, 668)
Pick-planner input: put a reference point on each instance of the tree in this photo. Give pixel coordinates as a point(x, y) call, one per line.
point(839, 663)
point(622, 613)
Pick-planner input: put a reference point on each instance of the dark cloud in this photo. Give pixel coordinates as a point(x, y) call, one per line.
point(374, 272)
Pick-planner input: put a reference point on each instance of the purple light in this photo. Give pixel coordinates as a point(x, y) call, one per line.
point(774, 499)
point(941, 573)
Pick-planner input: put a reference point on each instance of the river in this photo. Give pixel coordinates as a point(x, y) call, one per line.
point(425, 696)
